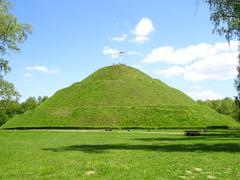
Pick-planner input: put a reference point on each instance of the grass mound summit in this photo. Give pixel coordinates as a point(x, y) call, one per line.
point(119, 96)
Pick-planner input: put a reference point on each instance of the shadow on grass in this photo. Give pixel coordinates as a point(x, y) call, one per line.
point(216, 136)
point(196, 138)
point(101, 148)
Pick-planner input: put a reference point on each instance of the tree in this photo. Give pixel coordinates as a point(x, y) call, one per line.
point(29, 104)
point(224, 106)
point(8, 94)
point(236, 110)
point(14, 107)
point(42, 99)
point(10, 106)
point(227, 106)
point(8, 91)
point(12, 33)
point(225, 15)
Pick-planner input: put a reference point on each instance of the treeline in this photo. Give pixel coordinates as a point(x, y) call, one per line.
point(224, 106)
point(10, 108)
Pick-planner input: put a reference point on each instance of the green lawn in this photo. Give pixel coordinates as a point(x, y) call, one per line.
point(118, 155)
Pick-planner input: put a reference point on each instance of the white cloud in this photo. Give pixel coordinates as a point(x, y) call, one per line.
point(138, 66)
point(143, 30)
point(120, 38)
point(218, 67)
point(205, 95)
point(28, 75)
point(42, 69)
point(196, 87)
point(115, 53)
point(189, 54)
point(132, 53)
point(204, 61)
point(172, 71)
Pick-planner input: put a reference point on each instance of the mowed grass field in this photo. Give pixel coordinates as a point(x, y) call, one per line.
point(118, 155)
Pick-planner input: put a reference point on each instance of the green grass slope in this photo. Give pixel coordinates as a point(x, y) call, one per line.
point(117, 96)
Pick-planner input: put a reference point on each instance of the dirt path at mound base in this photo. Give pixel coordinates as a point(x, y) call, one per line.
point(97, 131)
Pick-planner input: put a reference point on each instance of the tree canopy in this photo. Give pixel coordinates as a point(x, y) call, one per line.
point(12, 33)
point(223, 106)
point(8, 91)
point(8, 97)
point(11, 106)
point(225, 15)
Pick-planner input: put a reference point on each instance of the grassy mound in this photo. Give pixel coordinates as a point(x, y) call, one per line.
point(116, 96)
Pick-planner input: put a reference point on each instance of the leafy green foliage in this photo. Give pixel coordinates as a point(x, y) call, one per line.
point(12, 33)
point(225, 15)
point(237, 109)
point(11, 106)
point(224, 106)
point(42, 99)
point(8, 91)
point(30, 104)
point(119, 96)
point(3, 117)
point(4, 67)
point(8, 97)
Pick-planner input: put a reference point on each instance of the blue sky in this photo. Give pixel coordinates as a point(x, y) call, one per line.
point(170, 40)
